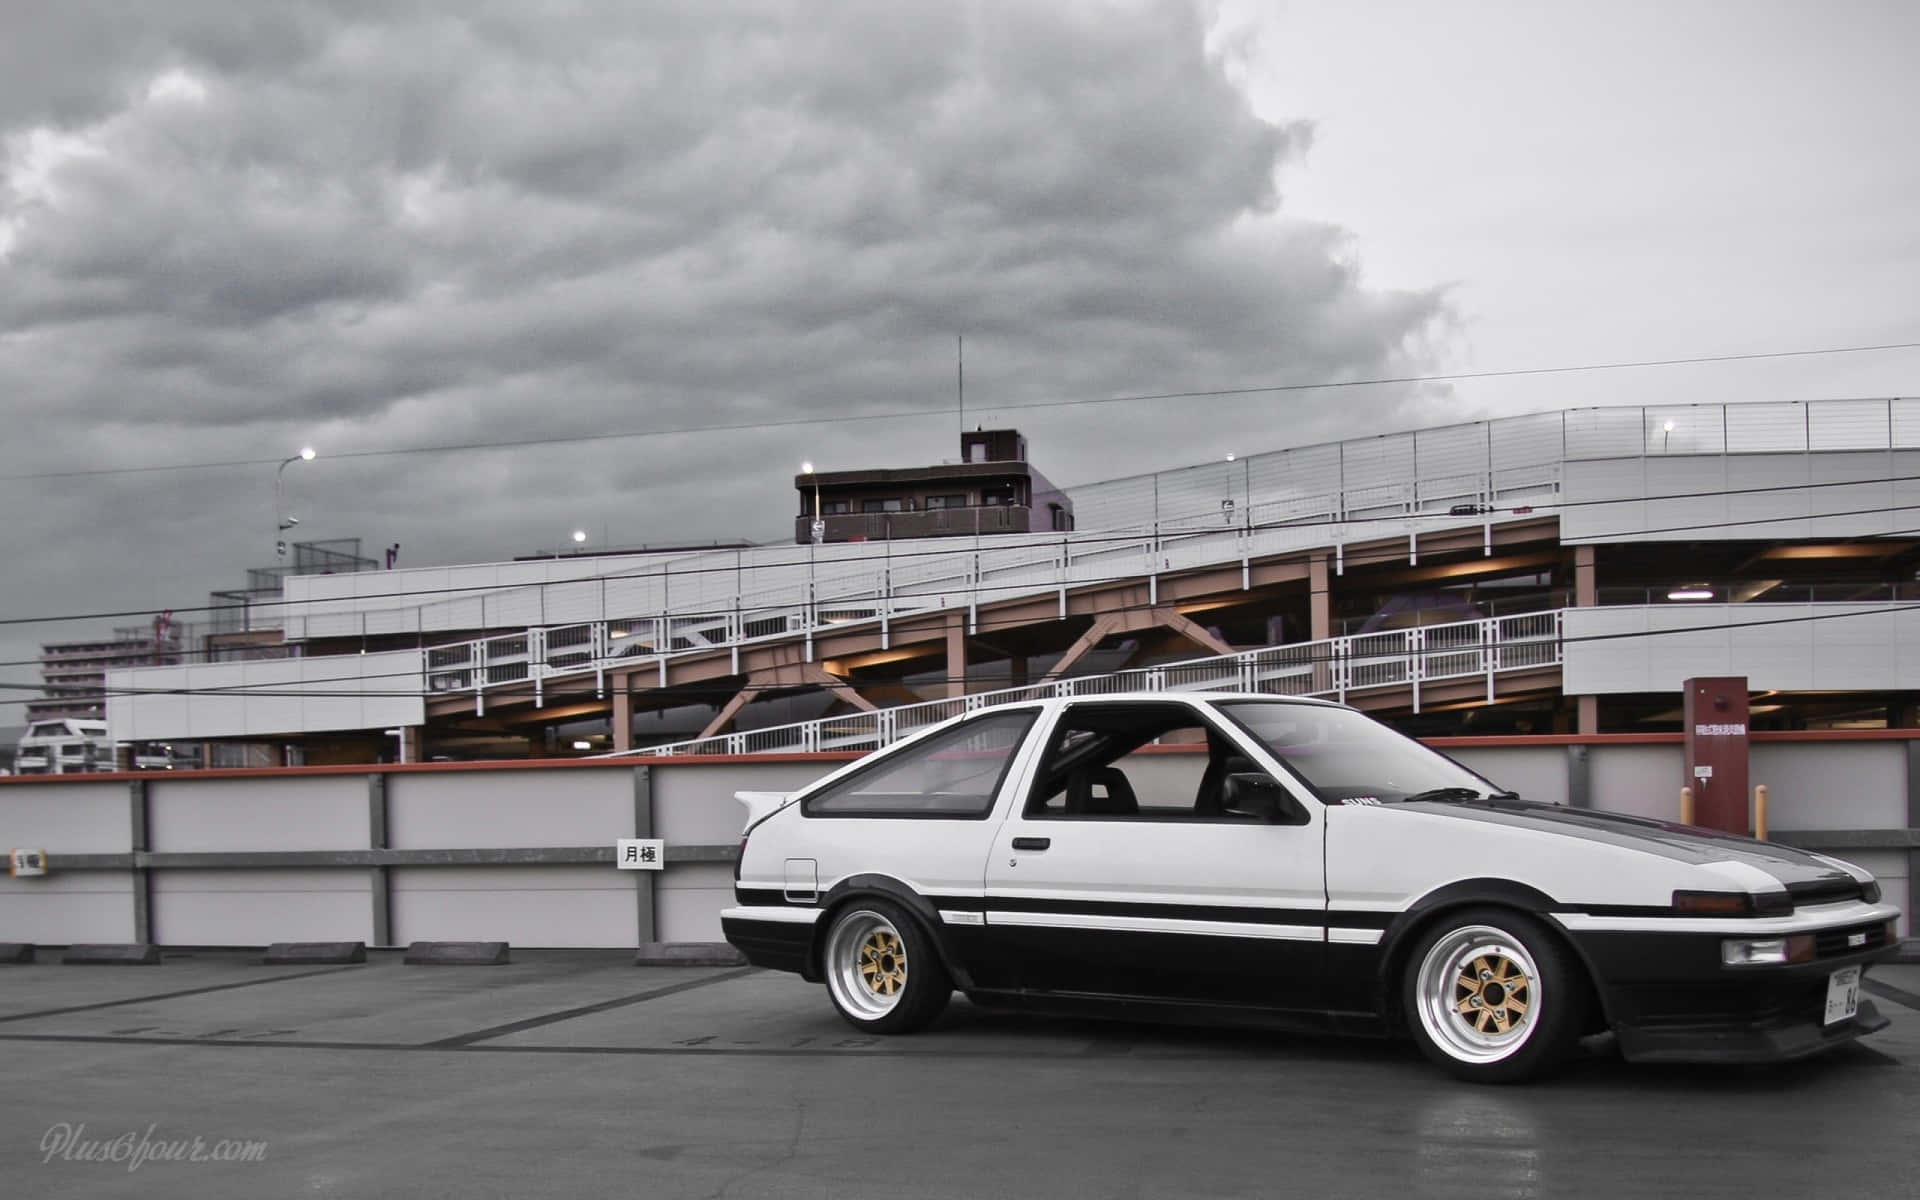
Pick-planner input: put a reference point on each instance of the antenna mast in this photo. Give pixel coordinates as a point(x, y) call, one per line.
point(960, 376)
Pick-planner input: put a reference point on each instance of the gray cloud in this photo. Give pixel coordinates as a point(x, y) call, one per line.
point(229, 230)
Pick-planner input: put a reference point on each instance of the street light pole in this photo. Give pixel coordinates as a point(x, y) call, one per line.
point(819, 517)
point(282, 522)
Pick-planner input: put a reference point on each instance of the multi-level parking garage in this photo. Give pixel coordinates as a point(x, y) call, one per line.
point(1532, 592)
point(1562, 572)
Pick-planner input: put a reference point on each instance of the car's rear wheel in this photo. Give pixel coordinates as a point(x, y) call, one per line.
point(1493, 997)
point(882, 969)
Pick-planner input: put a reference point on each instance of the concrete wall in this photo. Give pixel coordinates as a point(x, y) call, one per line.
point(1785, 647)
point(228, 907)
point(262, 697)
point(535, 905)
point(1716, 497)
point(524, 853)
point(291, 812)
point(88, 906)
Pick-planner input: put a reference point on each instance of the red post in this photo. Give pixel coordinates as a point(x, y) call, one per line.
point(1716, 751)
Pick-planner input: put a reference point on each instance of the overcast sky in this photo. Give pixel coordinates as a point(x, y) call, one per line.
point(230, 230)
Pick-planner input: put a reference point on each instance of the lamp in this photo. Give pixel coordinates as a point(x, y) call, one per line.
point(282, 522)
point(819, 517)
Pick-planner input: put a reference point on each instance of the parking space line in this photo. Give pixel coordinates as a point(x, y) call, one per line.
point(584, 1010)
point(1887, 991)
point(826, 1051)
point(199, 991)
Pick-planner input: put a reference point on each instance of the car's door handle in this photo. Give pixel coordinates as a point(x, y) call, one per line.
point(1030, 843)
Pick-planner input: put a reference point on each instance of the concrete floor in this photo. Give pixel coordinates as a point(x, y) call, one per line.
point(569, 1074)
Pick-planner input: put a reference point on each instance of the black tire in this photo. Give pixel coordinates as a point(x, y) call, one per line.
point(882, 969)
point(1490, 996)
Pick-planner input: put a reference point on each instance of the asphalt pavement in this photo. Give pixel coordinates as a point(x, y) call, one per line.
point(575, 1074)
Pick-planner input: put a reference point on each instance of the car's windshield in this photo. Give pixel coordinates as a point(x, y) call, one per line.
point(1345, 756)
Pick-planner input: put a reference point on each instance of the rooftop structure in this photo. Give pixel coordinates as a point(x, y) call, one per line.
point(991, 490)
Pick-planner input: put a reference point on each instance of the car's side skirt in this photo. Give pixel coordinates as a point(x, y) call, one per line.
point(1183, 1012)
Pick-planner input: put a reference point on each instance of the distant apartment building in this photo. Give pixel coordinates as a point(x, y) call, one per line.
point(993, 489)
point(73, 675)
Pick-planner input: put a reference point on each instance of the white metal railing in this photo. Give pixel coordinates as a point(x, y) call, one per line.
point(960, 578)
point(1334, 668)
point(644, 612)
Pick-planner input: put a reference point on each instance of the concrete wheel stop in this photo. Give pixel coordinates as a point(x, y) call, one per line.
point(457, 954)
point(688, 954)
point(15, 953)
point(286, 954)
point(113, 954)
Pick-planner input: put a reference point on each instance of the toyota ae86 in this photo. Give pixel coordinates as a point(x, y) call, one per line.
point(1292, 863)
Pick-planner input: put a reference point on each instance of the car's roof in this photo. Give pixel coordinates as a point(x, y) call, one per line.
point(1165, 695)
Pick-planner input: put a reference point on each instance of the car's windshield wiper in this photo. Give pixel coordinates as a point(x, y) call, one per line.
point(1458, 793)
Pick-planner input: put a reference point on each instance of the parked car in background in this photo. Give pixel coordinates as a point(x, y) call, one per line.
point(1248, 859)
point(64, 746)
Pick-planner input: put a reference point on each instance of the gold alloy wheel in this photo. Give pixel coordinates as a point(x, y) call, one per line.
point(866, 964)
point(1492, 993)
point(883, 963)
point(1478, 994)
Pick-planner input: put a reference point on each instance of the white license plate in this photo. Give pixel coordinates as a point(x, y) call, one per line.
point(1843, 994)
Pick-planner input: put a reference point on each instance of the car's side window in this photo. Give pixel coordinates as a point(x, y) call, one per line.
point(1136, 761)
point(955, 774)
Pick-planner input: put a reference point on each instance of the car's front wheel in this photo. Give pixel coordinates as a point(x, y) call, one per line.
point(882, 969)
point(1493, 997)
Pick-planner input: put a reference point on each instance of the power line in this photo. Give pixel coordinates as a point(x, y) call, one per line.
point(917, 413)
point(959, 545)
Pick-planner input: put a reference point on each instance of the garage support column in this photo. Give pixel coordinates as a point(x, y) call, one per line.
point(1319, 600)
point(142, 887)
point(956, 655)
point(1586, 594)
point(622, 714)
point(1579, 777)
point(643, 881)
point(1320, 620)
point(377, 879)
point(1913, 855)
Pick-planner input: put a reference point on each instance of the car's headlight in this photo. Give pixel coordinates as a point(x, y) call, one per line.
point(1747, 952)
point(1870, 891)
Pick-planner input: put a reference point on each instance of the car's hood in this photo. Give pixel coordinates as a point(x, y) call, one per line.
point(1797, 870)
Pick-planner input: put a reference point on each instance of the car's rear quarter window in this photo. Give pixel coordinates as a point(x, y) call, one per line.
point(954, 774)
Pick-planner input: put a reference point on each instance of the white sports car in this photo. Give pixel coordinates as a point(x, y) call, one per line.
point(1291, 863)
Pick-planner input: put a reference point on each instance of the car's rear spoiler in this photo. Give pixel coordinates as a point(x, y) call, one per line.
point(761, 804)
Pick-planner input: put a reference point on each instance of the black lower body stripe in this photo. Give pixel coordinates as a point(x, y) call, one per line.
point(1247, 914)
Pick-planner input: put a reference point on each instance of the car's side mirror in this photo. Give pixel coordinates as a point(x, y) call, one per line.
point(1258, 795)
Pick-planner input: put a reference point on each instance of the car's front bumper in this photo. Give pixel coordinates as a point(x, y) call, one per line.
point(1668, 998)
point(1779, 1039)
